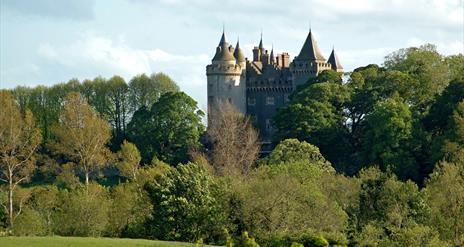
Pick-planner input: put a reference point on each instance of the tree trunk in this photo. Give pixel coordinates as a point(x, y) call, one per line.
point(86, 179)
point(10, 199)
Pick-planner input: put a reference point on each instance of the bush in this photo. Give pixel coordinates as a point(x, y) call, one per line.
point(130, 207)
point(83, 212)
point(185, 206)
point(29, 223)
point(304, 239)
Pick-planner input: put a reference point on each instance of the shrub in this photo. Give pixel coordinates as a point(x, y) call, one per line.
point(83, 212)
point(29, 223)
point(185, 206)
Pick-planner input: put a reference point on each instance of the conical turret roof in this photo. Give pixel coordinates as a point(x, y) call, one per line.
point(334, 61)
point(260, 46)
point(273, 59)
point(223, 53)
point(238, 54)
point(310, 50)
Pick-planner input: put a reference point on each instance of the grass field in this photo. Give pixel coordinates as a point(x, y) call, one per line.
point(84, 242)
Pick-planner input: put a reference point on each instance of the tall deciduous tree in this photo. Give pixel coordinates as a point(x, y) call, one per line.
point(445, 194)
point(169, 130)
point(145, 90)
point(388, 136)
point(426, 65)
point(129, 160)
point(82, 135)
point(19, 139)
point(235, 143)
point(316, 115)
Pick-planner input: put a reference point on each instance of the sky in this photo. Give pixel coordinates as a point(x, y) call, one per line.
point(44, 42)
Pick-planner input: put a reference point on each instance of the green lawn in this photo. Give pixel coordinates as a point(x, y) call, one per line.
point(78, 242)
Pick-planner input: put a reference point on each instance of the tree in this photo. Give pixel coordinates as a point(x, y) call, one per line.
point(389, 204)
point(316, 115)
point(185, 205)
point(129, 160)
point(82, 212)
point(144, 90)
point(289, 198)
point(235, 143)
point(292, 150)
point(119, 108)
point(426, 65)
point(387, 138)
point(138, 129)
point(130, 206)
point(169, 130)
point(19, 139)
point(445, 195)
point(456, 66)
point(81, 136)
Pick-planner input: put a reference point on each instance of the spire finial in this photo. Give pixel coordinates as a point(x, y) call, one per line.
point(223, 27)
point(261, 40)
point(223, 37)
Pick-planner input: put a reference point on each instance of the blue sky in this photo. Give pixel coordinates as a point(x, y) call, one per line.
point(51, 41)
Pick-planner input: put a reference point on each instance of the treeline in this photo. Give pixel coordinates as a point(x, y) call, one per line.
point(77, 164)
point(398, 117)
point(113, 98)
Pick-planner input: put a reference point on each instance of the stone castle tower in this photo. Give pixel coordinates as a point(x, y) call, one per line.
point(226, 77)
point(261, 86)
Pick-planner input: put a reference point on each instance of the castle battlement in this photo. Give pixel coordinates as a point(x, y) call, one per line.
point(224, 69)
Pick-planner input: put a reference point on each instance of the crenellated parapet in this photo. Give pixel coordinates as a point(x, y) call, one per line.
point(224, 69)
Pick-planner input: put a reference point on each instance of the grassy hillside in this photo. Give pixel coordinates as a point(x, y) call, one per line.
point(84, 242)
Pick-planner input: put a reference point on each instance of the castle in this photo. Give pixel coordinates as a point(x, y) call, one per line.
point(261, 86)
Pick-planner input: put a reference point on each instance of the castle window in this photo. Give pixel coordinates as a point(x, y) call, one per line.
point(269, 100)
point(286, 99)
point(230, 100)
point(268, 125)
point(251, 101)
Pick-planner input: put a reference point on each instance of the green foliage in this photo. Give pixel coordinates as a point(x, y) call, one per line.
point(291, 198)
point(169, 130)
point(388, 134)
point(83, 212)
point(130, 206)
point(185, 206)
point(445, 195)
point(29, 223)
point(308, 239)
point(315, 115)
point(145, 90)
point(389, 202)
point(443, 122)
point(247, 241)
point(292, 150)
point(427, 66)
point(128, 160)
point(81, 136)
point(456, 66)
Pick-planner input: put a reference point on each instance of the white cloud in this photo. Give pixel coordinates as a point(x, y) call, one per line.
point(97, 51)
point(356, 58)
point(106, 57)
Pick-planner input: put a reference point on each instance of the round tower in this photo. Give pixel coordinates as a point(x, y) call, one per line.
point(226, 78)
